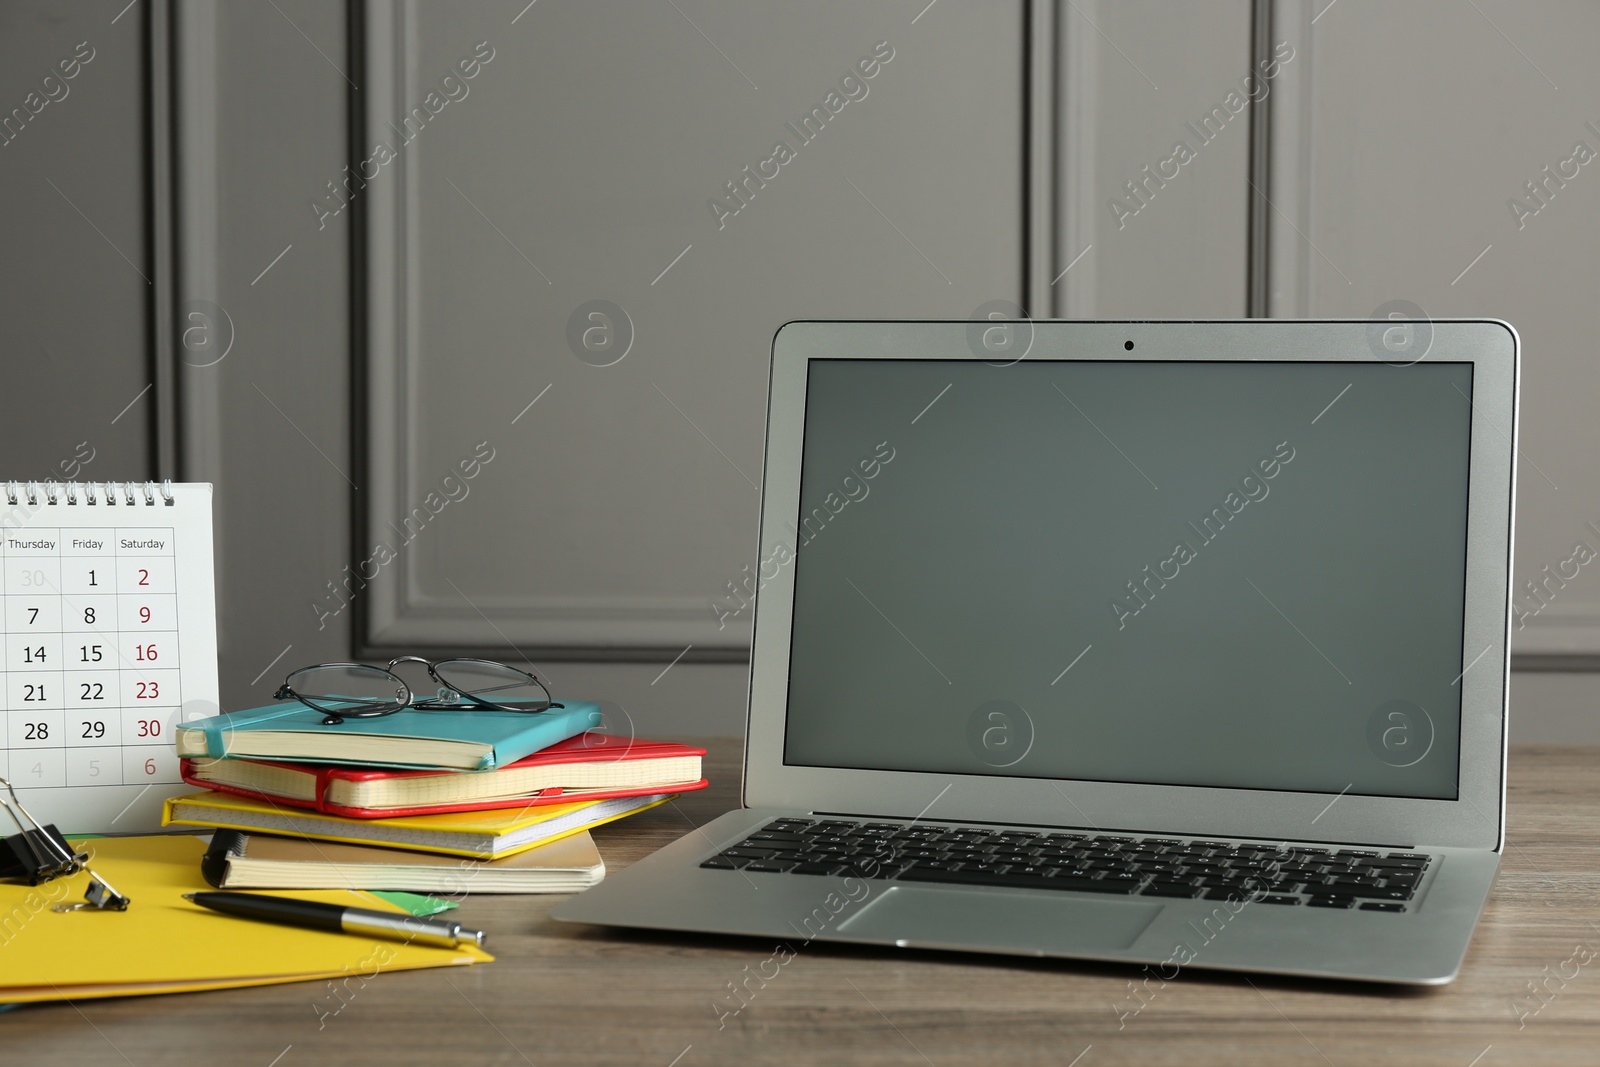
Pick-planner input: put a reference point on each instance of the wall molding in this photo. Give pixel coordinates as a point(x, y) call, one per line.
point(162, 207)
point(1042, 158)
point(1564, 633)
point(1562, 637)
point(1281, 255)
point(398, 612)
point(1077, 63)
point(1259, 215)
point(196, 224)
point(1060, 212)
point(192, 84)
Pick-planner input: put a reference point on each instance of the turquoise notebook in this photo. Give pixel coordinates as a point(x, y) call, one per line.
point(461, 740)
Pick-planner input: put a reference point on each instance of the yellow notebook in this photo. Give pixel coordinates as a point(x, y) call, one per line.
point(165, 944)
point(480, 834)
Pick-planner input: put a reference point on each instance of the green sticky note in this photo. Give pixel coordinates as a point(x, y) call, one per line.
point(416, 903)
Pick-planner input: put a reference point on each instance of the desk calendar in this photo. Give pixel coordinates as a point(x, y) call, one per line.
point(110, 641)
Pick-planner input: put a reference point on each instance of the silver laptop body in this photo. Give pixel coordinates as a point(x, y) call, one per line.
point(1144, 601)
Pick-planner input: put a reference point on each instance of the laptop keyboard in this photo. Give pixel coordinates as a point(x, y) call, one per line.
point(1281, 875)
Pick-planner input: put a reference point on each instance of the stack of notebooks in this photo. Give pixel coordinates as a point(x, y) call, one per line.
point(404, 797)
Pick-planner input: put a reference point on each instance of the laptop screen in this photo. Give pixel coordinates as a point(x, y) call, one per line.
point(1214, 573)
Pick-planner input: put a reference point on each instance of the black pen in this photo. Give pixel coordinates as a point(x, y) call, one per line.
point(332, 917)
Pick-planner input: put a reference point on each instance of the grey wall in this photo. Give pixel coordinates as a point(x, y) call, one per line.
point(397, 335)
point(260, 126)
point(75, 277)
point(619, 507)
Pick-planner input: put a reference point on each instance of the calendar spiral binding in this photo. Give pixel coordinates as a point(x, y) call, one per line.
point(104, 494)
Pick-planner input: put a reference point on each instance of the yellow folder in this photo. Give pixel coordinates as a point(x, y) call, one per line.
point(165, 944)
point(486, 835)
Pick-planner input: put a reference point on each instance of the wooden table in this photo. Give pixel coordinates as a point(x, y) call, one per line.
point(560, 994)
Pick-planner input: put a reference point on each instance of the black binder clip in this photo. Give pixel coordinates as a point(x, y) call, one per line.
point(39, 853)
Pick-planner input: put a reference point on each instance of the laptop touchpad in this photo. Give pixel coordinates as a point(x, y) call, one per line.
point(1007, 921)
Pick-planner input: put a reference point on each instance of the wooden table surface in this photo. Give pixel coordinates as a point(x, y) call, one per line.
point(561, 994)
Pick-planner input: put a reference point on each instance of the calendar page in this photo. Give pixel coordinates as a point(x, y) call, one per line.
point(110, 641)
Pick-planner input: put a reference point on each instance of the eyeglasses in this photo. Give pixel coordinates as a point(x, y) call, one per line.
point(358, 691)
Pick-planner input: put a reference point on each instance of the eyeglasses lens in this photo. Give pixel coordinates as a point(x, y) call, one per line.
point(352, 691)
point(493, 683)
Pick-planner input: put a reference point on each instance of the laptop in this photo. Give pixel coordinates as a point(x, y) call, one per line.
point(1182, 644)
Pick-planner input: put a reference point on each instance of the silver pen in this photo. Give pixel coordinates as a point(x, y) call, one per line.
point(338, 919)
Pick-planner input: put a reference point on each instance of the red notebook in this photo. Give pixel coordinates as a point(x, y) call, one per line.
point(591, 766)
